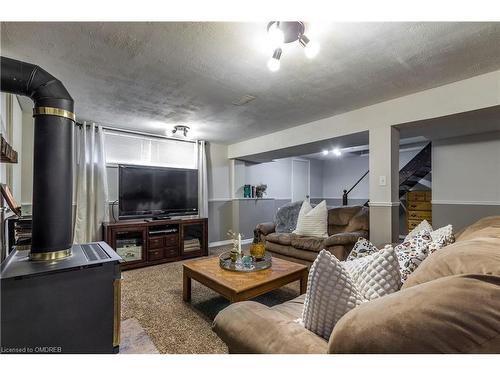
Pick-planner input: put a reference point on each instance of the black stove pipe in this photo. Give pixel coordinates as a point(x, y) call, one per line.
point(52, 155)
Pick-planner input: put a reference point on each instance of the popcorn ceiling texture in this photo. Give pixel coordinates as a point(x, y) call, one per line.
point(153, 296)
point(151, 76)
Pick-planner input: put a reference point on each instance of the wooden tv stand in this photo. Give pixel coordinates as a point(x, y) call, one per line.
point(148, 242)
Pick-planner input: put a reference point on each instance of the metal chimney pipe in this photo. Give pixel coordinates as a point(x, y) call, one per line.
point(53, 157)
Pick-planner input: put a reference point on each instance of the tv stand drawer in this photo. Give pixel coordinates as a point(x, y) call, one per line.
point(156, 243)
point(172, 240)
point(155, 254)
point(171, 252)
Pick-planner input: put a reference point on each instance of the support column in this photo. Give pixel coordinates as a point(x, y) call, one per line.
point(384, 185)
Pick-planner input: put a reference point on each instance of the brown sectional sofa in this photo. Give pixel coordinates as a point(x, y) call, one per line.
point(450, 304)
point(345, 226)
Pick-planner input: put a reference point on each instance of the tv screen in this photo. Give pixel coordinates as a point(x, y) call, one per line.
point(154, 191)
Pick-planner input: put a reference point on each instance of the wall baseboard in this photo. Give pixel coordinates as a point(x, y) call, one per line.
point(228, 242)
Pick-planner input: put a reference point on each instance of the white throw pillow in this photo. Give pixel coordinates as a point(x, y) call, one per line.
point(331, 293)
point(377, 274)
point(312, 221)
point(334, 288)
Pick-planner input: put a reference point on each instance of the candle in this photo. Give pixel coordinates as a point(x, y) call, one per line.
point(239, 243)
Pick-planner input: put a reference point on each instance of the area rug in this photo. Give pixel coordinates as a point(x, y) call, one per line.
point(153, 296)
point(134, 340)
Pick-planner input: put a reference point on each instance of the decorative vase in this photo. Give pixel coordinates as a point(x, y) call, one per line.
point(257, 250)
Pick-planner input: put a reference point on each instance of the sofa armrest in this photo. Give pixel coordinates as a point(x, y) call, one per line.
point(265, 228)
point(250, 327)
point(454, 314)
point(347, 238)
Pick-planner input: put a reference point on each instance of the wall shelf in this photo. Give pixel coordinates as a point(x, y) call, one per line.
point(8, 154)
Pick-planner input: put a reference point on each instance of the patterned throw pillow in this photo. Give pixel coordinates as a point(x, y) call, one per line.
point(334, 288)
point(361, 248)
point(412, 252)
point(443, 236)
point(424, 225)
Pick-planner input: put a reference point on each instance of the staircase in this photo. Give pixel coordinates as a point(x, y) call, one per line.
point(409, 176)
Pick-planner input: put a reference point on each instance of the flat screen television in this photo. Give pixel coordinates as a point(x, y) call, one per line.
point(156, 192)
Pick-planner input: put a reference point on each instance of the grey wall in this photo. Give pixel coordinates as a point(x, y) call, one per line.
point(466, 179)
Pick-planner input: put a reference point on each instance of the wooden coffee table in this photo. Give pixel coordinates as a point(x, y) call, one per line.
point(242, 286)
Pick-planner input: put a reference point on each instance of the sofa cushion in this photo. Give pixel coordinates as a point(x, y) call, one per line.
point(348, 219)
point(280, 238)
point(307, 243)
point(476, 256)
point(486, 227)
point(286, 217)
point(312, 221)
point(455, 314)
point(250, 327)
point(291, 252)
point(292, 309)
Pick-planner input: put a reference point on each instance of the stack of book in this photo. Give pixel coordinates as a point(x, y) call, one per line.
point(22, 233)
point(192, 245)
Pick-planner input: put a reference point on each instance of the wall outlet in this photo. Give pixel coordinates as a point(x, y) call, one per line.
point(382, 181)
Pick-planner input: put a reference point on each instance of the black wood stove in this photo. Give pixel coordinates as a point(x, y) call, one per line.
point(70, 305)
point(58, 297)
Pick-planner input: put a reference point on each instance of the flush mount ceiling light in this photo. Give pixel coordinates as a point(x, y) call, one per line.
point(181, 129)
point(288, 32)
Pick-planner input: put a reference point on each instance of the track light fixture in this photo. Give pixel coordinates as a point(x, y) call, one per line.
point(288, 32)
point(181, 128)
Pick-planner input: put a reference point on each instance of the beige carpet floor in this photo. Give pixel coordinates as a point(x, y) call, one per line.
point(153, 296)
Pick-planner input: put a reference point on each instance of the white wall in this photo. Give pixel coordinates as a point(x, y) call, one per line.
point(218, 172)
point(277, 175)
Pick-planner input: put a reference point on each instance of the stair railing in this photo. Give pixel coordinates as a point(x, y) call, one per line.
point(346, 192)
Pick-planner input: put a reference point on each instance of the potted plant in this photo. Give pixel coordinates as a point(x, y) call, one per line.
point(260, 190)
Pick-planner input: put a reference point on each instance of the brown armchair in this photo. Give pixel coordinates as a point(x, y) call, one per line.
point(345, 225)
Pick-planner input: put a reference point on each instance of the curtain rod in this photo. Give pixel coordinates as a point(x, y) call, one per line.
point(119, 130)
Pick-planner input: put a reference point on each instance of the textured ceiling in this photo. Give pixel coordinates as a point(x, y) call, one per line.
point(151, 76)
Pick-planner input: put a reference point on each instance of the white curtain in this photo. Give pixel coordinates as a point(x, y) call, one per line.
point(202, 180)
point(91, 184)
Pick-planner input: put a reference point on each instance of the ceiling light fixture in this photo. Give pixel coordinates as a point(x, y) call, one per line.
point(181, 128)
point(288, 32)
point(337, 152)
point(325, 152)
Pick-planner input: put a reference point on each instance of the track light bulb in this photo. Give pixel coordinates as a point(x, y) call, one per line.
point(273, 63)
point(325, 152)
point(311, 48)
point(337, 152)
